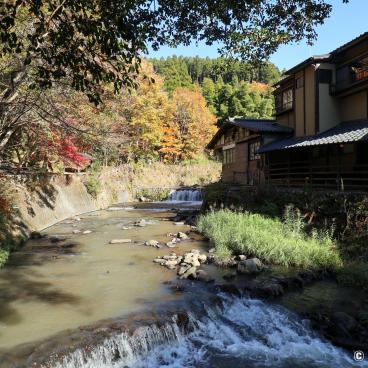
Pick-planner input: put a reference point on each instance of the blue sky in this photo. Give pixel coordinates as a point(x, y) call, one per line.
point(346, 22)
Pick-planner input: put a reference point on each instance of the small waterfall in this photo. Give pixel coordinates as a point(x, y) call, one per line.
point(241, 332)
point(185, 195)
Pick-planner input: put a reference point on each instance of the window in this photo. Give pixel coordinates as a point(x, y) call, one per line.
point(284, 100)
point(253, 148)
point(228, 156)
point(299, 82)
point(287, 99)
point(324, 76)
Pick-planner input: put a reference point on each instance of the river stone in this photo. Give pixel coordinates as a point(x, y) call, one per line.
point(270, 289)
point(241, 257)
point(179, 223)
point(76, 231)
point(120, 241)
point(141, 223)
point(212, 250)
point(171, 262)
point(183, 269)
point(87, 231)
point(189, 273)
point(182, 235)
point(171, 244)
point(159, 260)
point(202, 275)
point(170, 257)
point(126, 228)
point(202, 258)
point(250, 266)
point(192, 258)
point(152, 243)
point(76, 218)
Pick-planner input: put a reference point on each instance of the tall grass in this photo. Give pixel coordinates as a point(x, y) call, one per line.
point(271, 240)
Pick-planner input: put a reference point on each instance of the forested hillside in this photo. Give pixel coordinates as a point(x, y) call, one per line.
point(231, 88)
point(54, 130)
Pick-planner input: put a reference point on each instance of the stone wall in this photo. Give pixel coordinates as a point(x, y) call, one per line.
point(42, 202)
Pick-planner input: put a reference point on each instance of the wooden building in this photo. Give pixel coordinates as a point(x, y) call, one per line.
point(320, 138)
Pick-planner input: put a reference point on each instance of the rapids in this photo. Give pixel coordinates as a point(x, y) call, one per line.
point(240, 332)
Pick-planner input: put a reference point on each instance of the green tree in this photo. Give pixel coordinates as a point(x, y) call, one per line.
point(209, 93)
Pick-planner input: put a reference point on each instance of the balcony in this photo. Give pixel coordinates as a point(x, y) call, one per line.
point(350, 77)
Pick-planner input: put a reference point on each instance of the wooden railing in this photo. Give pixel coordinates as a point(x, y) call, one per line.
point(302, 174)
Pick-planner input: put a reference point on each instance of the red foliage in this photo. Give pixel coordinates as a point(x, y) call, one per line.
point(68, 151)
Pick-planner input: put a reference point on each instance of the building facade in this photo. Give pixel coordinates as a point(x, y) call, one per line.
point(319, 137)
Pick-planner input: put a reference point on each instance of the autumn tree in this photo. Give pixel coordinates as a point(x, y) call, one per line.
point(196, 124)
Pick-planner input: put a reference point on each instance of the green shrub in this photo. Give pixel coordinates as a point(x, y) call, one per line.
point(269, 239)
point(93, 185)
point(93, 181)
point(154, 194)
point(354, 274)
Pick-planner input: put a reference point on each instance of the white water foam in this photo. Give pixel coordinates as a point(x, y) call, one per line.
point(242, 332)
point(185, 195)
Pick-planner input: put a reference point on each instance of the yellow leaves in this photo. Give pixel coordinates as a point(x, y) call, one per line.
point(259, 87)
point(195, 121)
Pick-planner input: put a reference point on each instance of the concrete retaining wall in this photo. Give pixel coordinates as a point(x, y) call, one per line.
point(57, 198)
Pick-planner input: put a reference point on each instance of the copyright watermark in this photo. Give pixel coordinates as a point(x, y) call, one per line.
point(358, 356)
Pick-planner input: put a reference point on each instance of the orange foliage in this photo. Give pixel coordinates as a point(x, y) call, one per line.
point(194, 121)
point(259, 87)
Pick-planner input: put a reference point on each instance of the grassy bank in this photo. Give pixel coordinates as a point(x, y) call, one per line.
point(272, 240)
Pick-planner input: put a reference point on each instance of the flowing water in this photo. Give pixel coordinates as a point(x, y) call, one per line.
point(240, 332)
point(193, 195)
point(50, 287)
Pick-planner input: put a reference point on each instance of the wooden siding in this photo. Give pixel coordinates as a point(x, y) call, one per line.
point(354, 107)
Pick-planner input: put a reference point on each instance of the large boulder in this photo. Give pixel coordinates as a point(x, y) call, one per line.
point(250, 266)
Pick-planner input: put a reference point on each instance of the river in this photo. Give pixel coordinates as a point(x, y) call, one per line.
point(72, 300)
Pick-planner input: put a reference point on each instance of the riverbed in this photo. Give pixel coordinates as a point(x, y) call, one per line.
point(73, 300)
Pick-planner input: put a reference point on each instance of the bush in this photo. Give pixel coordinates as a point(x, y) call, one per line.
point(93, 182)
point(269, 239)
point(154, 194)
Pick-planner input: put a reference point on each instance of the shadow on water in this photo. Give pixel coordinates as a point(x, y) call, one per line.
point(24, 284)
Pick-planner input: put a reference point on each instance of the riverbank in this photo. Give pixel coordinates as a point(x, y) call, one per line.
point(172, 316)
point(30, 203)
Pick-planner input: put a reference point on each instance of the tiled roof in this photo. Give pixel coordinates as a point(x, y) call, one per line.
point(354, 131)
point(266, 126)
point(350, 43)
point(257, 125)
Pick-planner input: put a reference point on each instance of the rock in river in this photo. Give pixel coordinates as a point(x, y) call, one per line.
point(182, 235)
point(250, 266)
point(152, 243)
point(120, 241)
